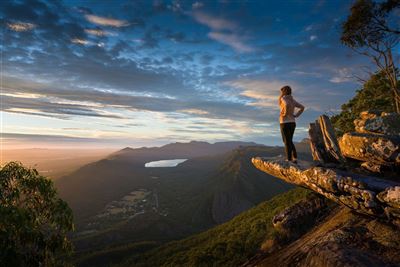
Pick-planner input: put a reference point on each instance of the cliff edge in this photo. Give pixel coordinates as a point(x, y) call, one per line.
point(360, 172)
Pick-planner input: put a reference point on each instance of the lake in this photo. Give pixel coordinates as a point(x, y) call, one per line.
point(164, 163)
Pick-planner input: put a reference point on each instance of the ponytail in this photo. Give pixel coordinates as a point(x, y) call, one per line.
point(286, 90)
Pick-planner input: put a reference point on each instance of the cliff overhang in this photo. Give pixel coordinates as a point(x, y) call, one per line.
point(365, 194)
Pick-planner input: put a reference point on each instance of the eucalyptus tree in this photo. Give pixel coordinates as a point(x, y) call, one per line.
point(373, 30)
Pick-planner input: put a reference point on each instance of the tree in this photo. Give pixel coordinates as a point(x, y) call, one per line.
point(372, 30)
point(374, 95)
point(34, 222)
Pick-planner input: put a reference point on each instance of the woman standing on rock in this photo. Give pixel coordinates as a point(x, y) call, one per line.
point(288, 122)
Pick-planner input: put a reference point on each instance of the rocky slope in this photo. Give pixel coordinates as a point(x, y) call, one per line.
point(342, 238)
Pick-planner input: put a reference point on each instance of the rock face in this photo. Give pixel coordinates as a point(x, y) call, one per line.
point(378, 123)
point(364, 194)
point(323, 141)
point(374, 148)
point(297, 219)
point(376, 141)
point(341, 238)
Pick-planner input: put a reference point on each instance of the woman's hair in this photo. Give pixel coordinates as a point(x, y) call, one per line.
point(286, 90)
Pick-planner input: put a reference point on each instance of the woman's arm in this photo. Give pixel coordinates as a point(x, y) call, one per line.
point(300, 107)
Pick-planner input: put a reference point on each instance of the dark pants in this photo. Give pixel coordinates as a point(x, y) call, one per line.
point(287, 131)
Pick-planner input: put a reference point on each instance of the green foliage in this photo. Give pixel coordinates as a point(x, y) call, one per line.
point(112, 255)
point(229, 244)
point(33, 220)
point(372, 30)
point(374, 95)
point(369, 24)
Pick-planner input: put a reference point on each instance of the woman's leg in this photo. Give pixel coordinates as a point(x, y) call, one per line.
point(285, 137)
point(293, 151)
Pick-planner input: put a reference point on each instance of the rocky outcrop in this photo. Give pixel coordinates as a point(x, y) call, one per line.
point(376, 141)
point(374, 148)
point(344, 238)
point(300, 217)
point(376, 122)
point(340, 238)
point(364, 194)
point(323, 141)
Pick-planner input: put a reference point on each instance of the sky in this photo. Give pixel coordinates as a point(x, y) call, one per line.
point(147, 73)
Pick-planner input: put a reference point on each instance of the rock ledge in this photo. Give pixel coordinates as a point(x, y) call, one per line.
point(364, 194)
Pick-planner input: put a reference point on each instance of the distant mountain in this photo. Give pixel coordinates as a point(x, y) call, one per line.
point(216, 183)
point(177, 150)
point(91, 187)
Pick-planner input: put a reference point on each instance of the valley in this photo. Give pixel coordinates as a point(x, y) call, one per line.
point(119, 202)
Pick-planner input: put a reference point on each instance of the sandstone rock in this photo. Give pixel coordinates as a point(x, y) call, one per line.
point(384, 123)
point(352, 190)
point(295, 220)
point(323, 141)
point(370, 114)
point(391, 196)
point(374, 148)
point(330, 140)
point(372, 167)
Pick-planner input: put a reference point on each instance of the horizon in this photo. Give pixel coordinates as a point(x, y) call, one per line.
point(117, 148)
point(108, 75)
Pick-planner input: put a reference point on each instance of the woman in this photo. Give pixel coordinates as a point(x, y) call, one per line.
point(287, 121)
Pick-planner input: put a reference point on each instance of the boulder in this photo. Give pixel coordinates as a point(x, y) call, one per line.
point(391, 196)
point(298, 218)
point(373, 122)
point(373, 148)
point(323, 141)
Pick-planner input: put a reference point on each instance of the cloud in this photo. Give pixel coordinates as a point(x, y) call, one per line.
point(43, 137)
point(343, 75)
point(99, 32)
point(223, 31)
point(214, 23)
point(103, 21)
point(232, 40)
point(56, 102)
point(80, 41)
point(197, 5)
point(21, 26)
point(309, 28)
point(54, 106)
point(313, 37)
point(194, 111)
point(261, 93)
point(182, 80)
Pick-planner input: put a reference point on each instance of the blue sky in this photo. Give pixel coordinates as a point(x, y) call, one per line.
point(134, 73)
